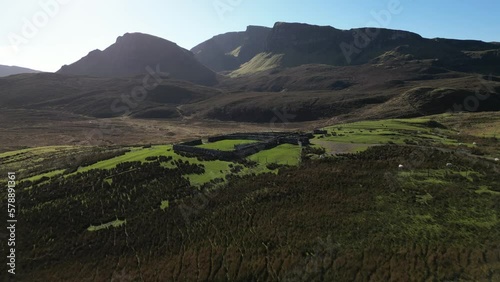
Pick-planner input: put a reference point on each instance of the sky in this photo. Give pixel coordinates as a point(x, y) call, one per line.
point(46, 34)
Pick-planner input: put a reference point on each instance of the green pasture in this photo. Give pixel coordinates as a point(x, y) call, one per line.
point(397, 131)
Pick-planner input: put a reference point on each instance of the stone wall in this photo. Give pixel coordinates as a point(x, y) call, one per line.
point(320, 131)
point(246, 136)
point(294, 140)
point(222, 155)
point(268, 140)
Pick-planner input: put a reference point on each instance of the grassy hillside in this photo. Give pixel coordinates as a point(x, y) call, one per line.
point(261, 62)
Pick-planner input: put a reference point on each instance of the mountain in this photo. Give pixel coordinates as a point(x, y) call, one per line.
point(10, 70)
point(133, 53)
point(295, 44)
point(229, 50)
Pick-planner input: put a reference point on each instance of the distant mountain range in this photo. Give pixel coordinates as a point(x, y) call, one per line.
point(10, 70)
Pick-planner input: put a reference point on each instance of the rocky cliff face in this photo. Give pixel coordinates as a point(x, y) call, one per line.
point(304, 44)
point(254, 42)
point(133, 53)
point(295, 44)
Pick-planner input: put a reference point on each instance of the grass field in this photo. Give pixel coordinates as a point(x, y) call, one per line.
point(427, 131)
point(397, 131)
point(284, 154)
point(47, 174)
point(136, 154)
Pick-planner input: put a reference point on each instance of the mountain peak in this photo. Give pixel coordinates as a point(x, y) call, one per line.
point(132, 53)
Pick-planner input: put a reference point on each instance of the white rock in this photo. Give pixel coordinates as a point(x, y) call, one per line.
point(401, 166)
point(449, 165)
point(496, 159)
point(474, 143)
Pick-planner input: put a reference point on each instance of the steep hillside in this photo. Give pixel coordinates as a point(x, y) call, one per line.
point(228, 51)
point(134, 53)
point(10, 70)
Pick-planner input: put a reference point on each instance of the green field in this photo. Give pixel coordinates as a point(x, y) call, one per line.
point(397, 131)
point(136, 154)
point(47, 174)
point(284, 155)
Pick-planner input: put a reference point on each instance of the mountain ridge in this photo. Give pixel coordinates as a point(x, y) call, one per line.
point(295, 44)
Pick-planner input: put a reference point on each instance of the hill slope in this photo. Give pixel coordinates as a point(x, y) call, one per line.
point(388, 89)
point(10, 70)
point(133, 53)
point(307, 92)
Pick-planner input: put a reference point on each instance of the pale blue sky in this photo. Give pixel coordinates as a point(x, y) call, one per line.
point(75, 27)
